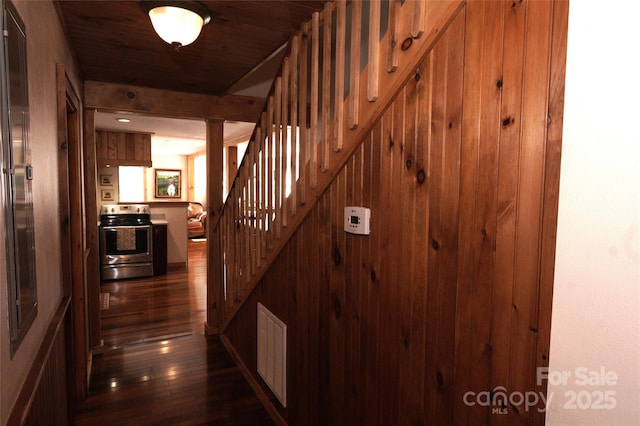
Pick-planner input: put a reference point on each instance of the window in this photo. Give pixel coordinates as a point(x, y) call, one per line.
point(131, 184)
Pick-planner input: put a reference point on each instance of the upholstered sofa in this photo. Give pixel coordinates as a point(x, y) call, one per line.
point(196, 220)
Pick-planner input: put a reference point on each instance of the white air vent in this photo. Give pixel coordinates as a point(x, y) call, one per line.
point(272, 353)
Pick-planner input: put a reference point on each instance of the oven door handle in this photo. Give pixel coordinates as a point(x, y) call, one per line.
point(115, 227)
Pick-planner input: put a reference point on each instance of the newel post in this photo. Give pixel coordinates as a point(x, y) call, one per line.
point(215, 292)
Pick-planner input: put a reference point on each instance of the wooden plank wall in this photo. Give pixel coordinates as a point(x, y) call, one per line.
point(444, 296)
point(123, 148)
point(45, 396)
point(50, 402)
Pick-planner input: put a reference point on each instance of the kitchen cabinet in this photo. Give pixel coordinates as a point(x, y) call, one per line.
point(115, 148)
point(159, 249)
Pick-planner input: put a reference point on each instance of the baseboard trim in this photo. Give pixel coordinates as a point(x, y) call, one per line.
point(260, 393)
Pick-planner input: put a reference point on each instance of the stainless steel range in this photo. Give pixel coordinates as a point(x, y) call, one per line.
point(125, 241)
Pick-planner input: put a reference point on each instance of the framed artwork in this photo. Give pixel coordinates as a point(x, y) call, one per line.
point(107, 195)
point(105, 180)
point(168, 183)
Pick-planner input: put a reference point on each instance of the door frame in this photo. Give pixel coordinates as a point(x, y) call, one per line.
point(72, 233)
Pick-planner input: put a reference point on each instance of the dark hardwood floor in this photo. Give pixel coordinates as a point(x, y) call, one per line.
point(157, 366)
point(169, 305)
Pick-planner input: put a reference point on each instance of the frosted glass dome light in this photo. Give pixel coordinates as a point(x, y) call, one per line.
point(177, 23)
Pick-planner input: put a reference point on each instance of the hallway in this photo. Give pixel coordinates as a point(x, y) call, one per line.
point(158, 367)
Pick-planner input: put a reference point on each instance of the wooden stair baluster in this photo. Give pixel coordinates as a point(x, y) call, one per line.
point(302, 130)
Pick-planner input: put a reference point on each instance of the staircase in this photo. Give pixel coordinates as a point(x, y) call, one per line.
point(341, 71)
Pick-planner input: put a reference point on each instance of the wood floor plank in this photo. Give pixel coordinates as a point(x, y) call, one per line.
point(158, 367)
point(163, 306)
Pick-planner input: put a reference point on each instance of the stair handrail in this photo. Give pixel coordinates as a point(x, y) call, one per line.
point(313, 108)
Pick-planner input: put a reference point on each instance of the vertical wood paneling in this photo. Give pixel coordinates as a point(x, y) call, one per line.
point(122, 148)
point(390, 254)
point(551, 191)
point(102, 143)
point(530, 195)
point(468, 236)
point(484, 217)
point(337, 282)
point(442, 298)
point(415, 206)
point(400, 136)
point(146, 146)
point(370, 298)
point(299, 331)
point(353, 250)
point(314, 328)
point(325, 310)
point(508, 166)
point(112, 149)
point(442, 105)
point(50, 401)
point(44, 397)
point(437, 317)
point(411, 402)
point(139, 150)
point(126, 146)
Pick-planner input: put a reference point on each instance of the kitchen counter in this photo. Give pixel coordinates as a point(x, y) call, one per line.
point(174, 216)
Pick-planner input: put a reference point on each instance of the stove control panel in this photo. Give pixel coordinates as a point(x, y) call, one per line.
point(116, 209)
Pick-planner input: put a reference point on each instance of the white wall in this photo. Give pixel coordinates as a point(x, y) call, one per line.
point(596, 304)
point(200, 179)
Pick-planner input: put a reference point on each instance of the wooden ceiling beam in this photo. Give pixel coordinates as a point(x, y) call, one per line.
point(166, 103)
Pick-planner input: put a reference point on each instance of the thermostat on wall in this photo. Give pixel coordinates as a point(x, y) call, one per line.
point(356, 220)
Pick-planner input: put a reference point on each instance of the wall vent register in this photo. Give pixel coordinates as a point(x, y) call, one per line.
point(272, 353)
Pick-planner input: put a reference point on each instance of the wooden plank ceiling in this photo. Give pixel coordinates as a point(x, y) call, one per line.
point(115, 42)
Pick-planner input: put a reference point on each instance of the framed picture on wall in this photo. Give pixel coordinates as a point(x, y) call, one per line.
point(107, 195)
point(167, 183)
point(105, 180)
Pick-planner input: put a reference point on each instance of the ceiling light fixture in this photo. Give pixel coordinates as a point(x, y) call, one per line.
point(123, 120)
point(177, 22)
